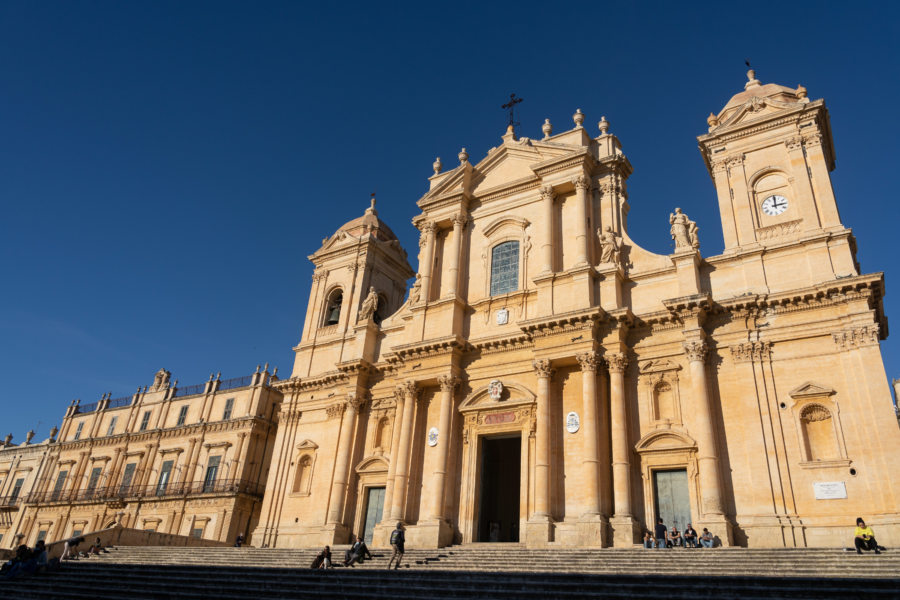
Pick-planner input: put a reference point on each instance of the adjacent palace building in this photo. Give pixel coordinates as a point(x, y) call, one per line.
point(544, 380)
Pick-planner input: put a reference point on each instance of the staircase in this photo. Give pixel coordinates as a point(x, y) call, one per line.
point(474, 571)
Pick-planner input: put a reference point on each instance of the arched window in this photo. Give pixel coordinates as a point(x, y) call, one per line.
point(505, 268)
point(818, 433)
point(303, 475)
point(333, 307)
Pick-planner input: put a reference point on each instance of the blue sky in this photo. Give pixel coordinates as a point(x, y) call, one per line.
point(166, 167)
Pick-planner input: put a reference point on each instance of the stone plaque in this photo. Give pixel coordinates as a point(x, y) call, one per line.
point(573, 423)
point(433, 436)
point(495, 389)
point(502, 316)
point(496, 418)
point(830, 490)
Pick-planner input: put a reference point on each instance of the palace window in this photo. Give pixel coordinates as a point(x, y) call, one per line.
point(78, 430)
point(382, 433)
point(145, 421)
point(60, 482)
point(818, 433)
point(182, 415)
point(127, 476)
point(76, 533)
point(164, 473)
point(17, 488)
point(504, 268)
point(197, 532)
point(94, 479)
point(212, 471)
point(42, 535)
point(112, 426)
point(229, 406)
point(333, 307)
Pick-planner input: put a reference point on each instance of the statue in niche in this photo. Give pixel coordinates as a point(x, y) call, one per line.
point(610, 246)
point(416, 291)
point(683, 230)
point(369, 305)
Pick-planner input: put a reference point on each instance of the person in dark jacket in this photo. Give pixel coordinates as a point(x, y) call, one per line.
point(357, 553)
point(322, 559)
point(398, 541)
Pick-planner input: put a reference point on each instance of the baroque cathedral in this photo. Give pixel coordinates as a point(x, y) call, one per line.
point(545, 380)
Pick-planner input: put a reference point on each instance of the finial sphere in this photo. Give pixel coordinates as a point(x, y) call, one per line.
point(578, 117)
point(603, 125)
point(463, 156)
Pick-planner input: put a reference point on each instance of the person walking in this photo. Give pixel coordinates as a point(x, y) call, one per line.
point(662, 534)
point(398, 541)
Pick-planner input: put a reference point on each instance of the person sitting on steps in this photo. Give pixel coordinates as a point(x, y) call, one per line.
point(864, 538)
point(675, 537)
point(357, 553)
point(322, 559)
point(690, 537)
point(648, 539)
point(706, 538)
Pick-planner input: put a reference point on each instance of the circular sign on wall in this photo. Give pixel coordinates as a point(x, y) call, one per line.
point(432, 436)
point(573, 423)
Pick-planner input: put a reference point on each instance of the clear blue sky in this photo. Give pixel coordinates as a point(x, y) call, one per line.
point(166, 167)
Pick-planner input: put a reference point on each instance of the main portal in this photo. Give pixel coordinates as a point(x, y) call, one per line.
point(498, 515)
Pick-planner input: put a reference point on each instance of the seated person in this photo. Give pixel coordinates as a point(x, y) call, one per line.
point(675, 537)
point(40, 555)
point(706, 538)
point(648, 539)
point(864, 538)
point(357, 553)
point(322, 559)
point(690, 537)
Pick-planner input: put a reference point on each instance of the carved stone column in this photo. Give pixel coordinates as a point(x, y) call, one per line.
point(401, 471)
point(542, 441)
point(710, 482)
point(439, 477)
point(624, 526)
point(427, 240)
point(590, 431)
point(547, 197)
point(345, 447)
point(237, 457)
point(400, 399)
point(459, 223)
point(583, 236)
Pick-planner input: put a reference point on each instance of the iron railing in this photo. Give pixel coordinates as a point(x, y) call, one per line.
point(235, 382)
point(86, 408)
point(170, 490)
point(10, 501)
point(190, 390)
point(120, 402)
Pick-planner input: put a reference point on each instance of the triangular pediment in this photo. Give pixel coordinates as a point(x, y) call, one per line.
point(307, 445)
point(757, 108)
point(657, 365)
point(513, 394)
point(810, 389)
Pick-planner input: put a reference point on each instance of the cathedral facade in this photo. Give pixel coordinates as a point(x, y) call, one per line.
point(546, 380)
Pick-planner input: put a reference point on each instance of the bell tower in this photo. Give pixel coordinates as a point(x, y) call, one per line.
point(770, 152)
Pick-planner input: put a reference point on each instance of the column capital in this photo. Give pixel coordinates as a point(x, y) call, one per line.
point(356, 400)
point(460, 220)
point(589, 361)
point(542, 368)
point(617, 362)
point(696, 350)
point(581, 182)
point(547, 192)
point(448, 382)
point(407, 390)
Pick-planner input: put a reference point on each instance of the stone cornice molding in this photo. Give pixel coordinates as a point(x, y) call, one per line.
point(335, 410)
point(323, 381)
point(99, 459)
point(433, 347)
point(578, 320)
point(164, 451)
point(504, 343)
point(752, 351)
point(857, 337)
point(211, 445)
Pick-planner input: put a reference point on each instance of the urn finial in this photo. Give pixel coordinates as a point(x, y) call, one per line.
point(603, 125)
point(437, 165)
point(547, 128)
point(463, 156)
point(578, 117)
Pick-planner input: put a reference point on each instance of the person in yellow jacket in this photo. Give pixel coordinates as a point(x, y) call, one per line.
point(865, 538)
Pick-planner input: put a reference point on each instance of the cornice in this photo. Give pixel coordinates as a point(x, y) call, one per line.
point(433, 347)
point(323, 381)
point(501, 343)
point(576, 320)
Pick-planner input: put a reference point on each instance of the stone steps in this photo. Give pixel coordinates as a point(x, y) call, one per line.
point(102, 580)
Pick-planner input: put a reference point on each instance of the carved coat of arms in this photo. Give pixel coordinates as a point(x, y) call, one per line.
point(495, 389)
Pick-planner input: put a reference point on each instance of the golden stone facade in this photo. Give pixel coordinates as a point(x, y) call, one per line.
point(545, 379)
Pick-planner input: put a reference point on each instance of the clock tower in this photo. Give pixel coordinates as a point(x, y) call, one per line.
point(770, 152)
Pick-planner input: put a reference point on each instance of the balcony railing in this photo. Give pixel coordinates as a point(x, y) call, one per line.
point(235, 382)
point(10, 501)
point(86, 408)
point(170, 490)
point(190, 390)
point(120, 402)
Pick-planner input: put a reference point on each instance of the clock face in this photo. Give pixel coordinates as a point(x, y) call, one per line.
point(774, 205)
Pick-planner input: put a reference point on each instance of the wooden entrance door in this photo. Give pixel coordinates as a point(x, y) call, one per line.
point(374, 508)
point(673, 502)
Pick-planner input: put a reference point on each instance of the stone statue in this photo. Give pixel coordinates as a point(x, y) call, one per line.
point(369, 305)
point(683, 230)
point(416, 291)
point(610, 246)
point(161, 380)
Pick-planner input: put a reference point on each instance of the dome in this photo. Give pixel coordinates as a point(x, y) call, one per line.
point(368, 223)
point(754, 89)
